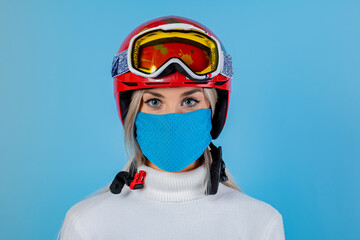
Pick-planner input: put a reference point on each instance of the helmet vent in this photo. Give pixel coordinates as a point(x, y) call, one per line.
point(130, 84)
point(156, 83)
point(197, 82)
point(220, 83)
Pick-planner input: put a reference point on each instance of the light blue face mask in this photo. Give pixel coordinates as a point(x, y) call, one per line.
point(173, 141)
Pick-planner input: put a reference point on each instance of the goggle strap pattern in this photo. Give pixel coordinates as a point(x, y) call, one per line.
point(227, 69)
point(120, 65)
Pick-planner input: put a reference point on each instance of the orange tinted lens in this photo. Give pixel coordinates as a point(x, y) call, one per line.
point(152, 56)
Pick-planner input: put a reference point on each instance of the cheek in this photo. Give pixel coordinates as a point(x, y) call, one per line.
point(144, 107)
point(141, 107)
point(205, 103)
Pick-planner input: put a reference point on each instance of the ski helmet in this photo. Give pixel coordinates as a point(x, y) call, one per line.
point(173, 51)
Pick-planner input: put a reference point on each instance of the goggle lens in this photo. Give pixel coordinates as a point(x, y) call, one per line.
point(196, 50)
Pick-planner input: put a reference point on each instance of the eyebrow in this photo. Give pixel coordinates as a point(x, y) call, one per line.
point(190, 92)
point(154, 93)
point(182, 95)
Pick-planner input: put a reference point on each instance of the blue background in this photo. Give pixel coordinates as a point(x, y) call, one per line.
point(292, 138)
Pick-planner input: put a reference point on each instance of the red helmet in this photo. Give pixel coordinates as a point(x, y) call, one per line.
point(173, 51)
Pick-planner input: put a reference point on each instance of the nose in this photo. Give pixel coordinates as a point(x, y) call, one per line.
point(173, 108)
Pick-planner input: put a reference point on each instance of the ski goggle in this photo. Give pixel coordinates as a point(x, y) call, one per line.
point(156, 52)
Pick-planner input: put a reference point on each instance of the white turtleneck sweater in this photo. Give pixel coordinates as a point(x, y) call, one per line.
point(173, 206)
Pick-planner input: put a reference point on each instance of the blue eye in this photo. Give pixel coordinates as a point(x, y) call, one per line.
point(190, 102)
point(154, 102)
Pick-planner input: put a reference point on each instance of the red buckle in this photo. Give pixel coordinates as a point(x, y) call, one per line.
point(138, 181)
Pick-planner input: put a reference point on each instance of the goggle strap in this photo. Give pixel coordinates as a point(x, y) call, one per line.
point(120, 65)
point(227, 69)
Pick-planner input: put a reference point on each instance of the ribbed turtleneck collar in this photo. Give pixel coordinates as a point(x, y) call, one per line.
point(173, 187)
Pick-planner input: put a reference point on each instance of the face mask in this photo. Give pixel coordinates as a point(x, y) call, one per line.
point(173, 141)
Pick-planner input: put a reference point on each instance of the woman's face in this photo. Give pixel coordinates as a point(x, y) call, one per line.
point(173, 100)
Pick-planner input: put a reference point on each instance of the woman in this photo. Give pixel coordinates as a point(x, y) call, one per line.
point(172, 83)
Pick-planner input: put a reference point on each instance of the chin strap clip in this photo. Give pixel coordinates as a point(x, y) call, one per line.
point(217, 169)
point(133, 179)
point(138, 181)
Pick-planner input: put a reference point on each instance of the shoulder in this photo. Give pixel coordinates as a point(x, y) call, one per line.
point(83, 216)
point(258, 216)
point(97, 204)
point(87, 205)
point(232, 196)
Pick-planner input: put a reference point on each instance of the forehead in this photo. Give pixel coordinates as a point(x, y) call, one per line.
point(175, 90)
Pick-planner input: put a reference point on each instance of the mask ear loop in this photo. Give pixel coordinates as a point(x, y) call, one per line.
point(124, 177)
point(217, 169)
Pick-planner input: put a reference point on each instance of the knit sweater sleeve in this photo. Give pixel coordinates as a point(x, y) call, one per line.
point(275, 229)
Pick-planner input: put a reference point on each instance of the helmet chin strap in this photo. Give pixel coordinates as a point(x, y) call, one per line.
point(124, 177)
point(217, 169)
point(217, 174)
